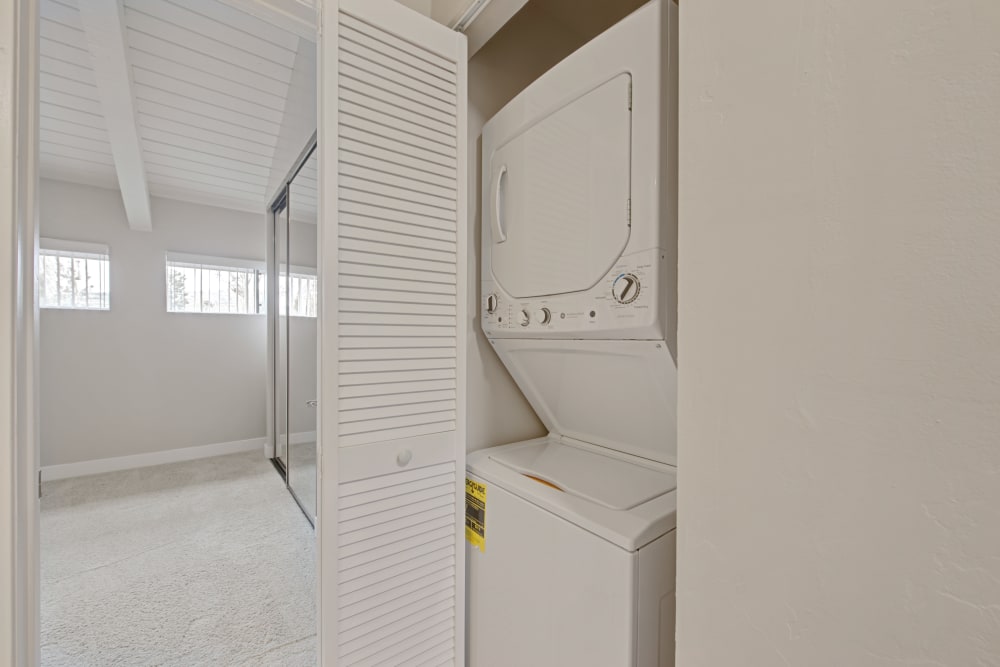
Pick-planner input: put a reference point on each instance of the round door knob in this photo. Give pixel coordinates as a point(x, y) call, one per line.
point(523, 318)
point(625, 289)
point(492, 302)
point(403, 458)
point(543, 315)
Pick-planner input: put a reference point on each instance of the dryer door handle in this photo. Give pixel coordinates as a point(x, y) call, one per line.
point(499, 194)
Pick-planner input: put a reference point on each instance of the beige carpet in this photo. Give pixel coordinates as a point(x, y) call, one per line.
point(206, 562)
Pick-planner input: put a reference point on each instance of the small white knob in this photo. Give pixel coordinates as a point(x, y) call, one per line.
point(543, 315)
point(523, 318)
point(492, 302)
point(403, 458)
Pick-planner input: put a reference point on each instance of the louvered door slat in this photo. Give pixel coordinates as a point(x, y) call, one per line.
point(353, 150)
point(357, 79)
point(349, 405)
point(400, 572)
point(388, 645)
point(403, 246)
point(358, 161)
point(376, 70)
point(393, 365)
point(435, 643)
point(390, 343)
point(391, 295)
point(394, 170)
point(402, 607)
point(446, 66)
point(376, 333)
point(419, 144)
point(397, 118)
point(370, 603)
point(387, 529)
point(418, 223)
point(397, 176)
point(399, 64)
point(398, 188)
point(371, 134)
point(397, 107)
point(351, 223)
point(396, 537)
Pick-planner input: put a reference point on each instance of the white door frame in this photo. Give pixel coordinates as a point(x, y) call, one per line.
point(19, 566)
point(19, 452)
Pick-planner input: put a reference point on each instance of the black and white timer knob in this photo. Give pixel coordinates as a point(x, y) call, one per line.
point(625, 289)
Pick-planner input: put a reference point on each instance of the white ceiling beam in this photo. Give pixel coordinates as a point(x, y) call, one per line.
point(104, 25)
point(295, 16)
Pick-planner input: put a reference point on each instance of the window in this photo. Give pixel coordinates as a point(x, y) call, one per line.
point(197, 284)
point(74, 275)
point(302, 293)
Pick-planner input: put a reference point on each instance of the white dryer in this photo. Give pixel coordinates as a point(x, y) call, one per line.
point(572, 555)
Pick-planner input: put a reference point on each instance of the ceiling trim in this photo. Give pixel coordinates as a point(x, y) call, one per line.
point(104, 25)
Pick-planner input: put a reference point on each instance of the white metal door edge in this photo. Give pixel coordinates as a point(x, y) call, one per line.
point(19, 556)
point(392, 105)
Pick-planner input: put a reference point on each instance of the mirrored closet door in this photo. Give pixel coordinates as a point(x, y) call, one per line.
point(295, 300)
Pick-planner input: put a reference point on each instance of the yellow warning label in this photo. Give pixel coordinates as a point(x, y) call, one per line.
point(475, 514)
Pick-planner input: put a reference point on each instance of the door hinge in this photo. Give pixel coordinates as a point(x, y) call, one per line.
point(39, 483)
point(629, 95)
point(628, 212)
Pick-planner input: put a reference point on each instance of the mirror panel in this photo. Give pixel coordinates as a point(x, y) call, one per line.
point(301, 302)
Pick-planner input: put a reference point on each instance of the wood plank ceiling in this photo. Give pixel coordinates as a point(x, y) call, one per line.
point(209, 84)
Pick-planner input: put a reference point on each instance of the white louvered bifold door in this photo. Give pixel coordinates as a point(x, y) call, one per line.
point(393, 243)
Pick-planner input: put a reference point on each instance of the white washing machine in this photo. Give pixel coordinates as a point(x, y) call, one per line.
point(577, 562)
point(572, 542)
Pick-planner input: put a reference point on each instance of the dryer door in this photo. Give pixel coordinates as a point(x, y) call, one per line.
point(559, 194)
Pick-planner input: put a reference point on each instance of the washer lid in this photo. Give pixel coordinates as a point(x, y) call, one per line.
point(619, 394)
point(593, 480)
point(614, 483)
point(557, 211)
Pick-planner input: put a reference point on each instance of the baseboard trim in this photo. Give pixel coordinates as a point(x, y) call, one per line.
point(302, 438)
point(97, 466)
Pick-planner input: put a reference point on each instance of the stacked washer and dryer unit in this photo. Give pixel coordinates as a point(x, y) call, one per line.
point(576, 562)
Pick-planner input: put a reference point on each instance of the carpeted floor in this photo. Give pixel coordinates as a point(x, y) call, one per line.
point(206, 562)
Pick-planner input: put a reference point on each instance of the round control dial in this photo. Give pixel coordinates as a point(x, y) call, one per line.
point(492, 303)
point(543, 315)
point(625, 289)
point(523, 318)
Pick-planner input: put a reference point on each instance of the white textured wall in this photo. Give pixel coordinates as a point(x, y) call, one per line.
point(839, 334)
point(137, 379)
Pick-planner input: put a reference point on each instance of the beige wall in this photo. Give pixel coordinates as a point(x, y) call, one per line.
point(136, 379)
point(839, 334)
point(535, 39)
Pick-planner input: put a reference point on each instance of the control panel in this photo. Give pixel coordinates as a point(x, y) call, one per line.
point(627, 298)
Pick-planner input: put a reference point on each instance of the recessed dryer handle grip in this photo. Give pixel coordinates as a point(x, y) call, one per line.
point(499, 194)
